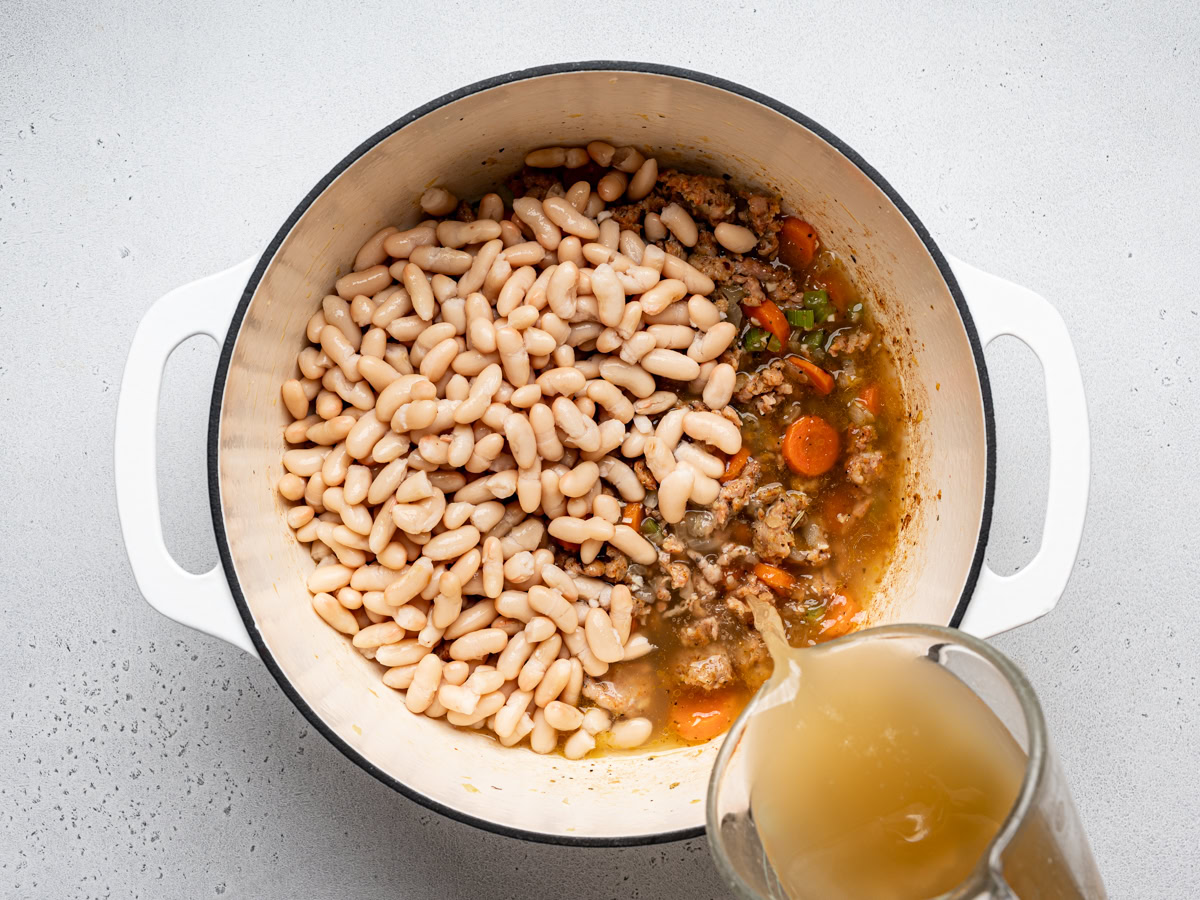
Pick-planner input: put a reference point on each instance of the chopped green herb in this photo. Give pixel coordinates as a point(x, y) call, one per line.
point(756, 340)
point(649, 527)
point(818, 302)
point(800, 318)
point(815, 615)
point(815, 341)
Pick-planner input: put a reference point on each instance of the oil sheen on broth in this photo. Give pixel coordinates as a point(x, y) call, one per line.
point(877, 775)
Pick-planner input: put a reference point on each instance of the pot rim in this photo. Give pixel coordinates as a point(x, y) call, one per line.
point(214, 416)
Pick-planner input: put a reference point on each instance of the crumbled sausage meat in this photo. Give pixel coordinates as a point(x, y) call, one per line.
point(612, 569)
point(863, 468)
point(735, 494)
point(465, 212)
point(738, 601)
point(707, 668)
point(850, 342)
point(699, 633)
point(761, 216)
point(774, 530)
point(679, 574)
point(630, 215)
point(705, 196)
point(625, 691)
point(531, 182)
point(767, 387)
point(642, 471)
point(751, 659)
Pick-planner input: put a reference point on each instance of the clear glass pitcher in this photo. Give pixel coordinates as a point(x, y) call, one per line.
point(1039, 853)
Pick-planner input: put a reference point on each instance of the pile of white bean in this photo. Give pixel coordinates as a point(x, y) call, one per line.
point(474, 389)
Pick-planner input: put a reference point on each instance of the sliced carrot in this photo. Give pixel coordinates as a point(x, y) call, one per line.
point(569, 546)
point(633, 515)
point(797, 243)
point(842, 616)
point(770, 317)
point(870, 399)
point(774, 577)
point(702, 715)
point(734, 465)
point(810, 446)
point(838, 501)
point(821, 381)
point(837, 288)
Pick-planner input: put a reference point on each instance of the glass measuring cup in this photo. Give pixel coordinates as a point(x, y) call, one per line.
point(1040, 851)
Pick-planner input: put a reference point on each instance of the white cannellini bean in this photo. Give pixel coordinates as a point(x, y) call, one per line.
point(602, 637)
point(596, 720)
point(425, 683)
point(457, 698)
point(510, 714)
point(336, 615)
point(735, 237)
point(438, 202)
point(489, 705)
point(553, 682)
point(579, 745)
point(697, 282)
point(680, 223)
point(515, 654)
point(672, 337)
point(620, 611)
point(662, 295)
point(670, 364)
point(719, 390)
point(673, 493)
point(546, 158)
point(630, 733)
point(643, 179)
point(562, 716)
point(522, 729)
point(612, 186)
point(403, 653)
point(713, 429)
point(657, 402)
point(638, 646)
point(555, 606)
point(714, 342)
point(539, 663)
point(479, 644)
point(399, 677)
point(538, 628)
point(543, 739)
point(471, 619)
point(529, 210)
point(699, 459)
point(562, 213)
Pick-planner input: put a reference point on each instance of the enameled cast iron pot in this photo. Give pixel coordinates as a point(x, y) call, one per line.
point(939, 314)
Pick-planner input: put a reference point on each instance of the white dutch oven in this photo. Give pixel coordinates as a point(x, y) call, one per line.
point(943, 310)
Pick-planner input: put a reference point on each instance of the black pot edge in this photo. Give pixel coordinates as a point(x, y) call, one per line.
point(214, 416)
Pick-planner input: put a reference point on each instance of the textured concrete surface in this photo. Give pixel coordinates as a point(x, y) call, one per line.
point(144, 145)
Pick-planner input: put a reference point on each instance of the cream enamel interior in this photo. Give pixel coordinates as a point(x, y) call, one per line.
point(466, 146)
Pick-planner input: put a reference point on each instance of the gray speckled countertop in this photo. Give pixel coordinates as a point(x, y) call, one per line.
point(144, 146)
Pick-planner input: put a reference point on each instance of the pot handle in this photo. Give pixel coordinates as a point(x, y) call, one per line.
point(1000, 307)
point(203, 602)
